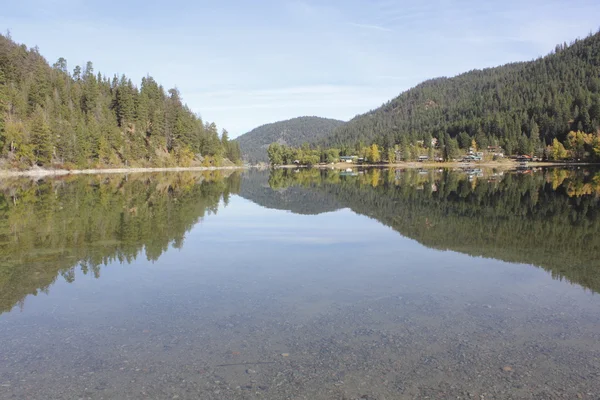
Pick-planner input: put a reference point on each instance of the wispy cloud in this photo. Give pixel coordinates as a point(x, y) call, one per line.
point(371, 27)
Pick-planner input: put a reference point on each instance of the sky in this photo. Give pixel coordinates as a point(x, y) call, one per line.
point(242, 64)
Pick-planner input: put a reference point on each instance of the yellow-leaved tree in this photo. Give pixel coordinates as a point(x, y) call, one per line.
point(374, 155)
point(391, 155)
point(558, 150)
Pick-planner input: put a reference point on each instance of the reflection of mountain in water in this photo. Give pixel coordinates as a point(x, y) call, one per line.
point(257, 187)
point(549, 219)
point(51, 226)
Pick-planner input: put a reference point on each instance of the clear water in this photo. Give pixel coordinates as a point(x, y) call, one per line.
point(301, 285)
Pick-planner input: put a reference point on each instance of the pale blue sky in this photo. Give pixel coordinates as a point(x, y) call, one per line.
point(245, 63)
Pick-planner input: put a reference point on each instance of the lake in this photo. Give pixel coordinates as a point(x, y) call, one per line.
point(302, 284)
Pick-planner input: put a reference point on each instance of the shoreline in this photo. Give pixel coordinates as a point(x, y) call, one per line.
point(451, 164)
point(40, 173)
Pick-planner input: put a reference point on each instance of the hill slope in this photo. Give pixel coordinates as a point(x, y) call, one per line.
point(512, 105)
point(292, 132)
point(50, 116)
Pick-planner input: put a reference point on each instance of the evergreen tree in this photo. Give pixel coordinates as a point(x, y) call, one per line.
point(124, 102)
point(452, 148)
point(90, 89)
point(41, 137)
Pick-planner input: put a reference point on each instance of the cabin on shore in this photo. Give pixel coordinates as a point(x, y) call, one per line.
point(472, 157)
point(423, 158)
point(496, 151)
point(523, 158)
point(348, 159)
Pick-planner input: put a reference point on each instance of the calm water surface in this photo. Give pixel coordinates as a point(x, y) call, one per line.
point(304, 284)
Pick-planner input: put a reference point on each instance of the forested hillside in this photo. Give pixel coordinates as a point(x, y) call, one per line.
point(292, 132)
point(54, 116)
point(521, 107)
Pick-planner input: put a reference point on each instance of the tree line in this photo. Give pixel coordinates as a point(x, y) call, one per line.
point(578, 146)
point(51, 116)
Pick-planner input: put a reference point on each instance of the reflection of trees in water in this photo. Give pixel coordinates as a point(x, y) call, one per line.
point(549, 219)
point(50, 227)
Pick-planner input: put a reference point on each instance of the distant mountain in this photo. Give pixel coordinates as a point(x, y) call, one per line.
point(292, 132)
point(516, 105)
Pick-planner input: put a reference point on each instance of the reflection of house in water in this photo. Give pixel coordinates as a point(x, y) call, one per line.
point(524, 169)
point(495, 177)
point(349, 172)
point(474, 173)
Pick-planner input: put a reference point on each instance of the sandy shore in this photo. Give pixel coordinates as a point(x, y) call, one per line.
point(40, 172)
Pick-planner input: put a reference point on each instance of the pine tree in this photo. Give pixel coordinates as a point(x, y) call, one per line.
point(452, 148)
point(124, 102)
point(90, 89)
point(77, 73)
point(41, 138)
point(40, 87)
point(61, 65)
